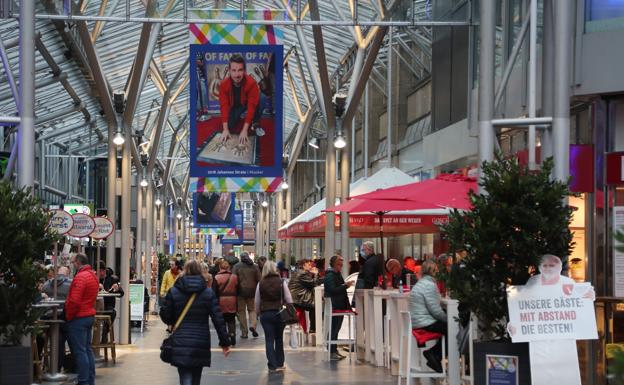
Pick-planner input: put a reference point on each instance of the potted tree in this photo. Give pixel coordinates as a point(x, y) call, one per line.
point(23, 238)
point(522, 216)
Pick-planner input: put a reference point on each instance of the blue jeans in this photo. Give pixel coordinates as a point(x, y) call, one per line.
point(79, 333)
point(273, 337)
point(190, 376)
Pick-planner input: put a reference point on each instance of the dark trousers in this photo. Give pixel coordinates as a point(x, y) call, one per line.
point(105, 329)
point(79, 334)
point(190, 376)
point(236, 112)
point(336, 324)
point(437, 327)
point(230, 322)
point(273, 338)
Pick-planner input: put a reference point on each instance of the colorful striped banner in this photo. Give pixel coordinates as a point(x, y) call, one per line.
point(234, 184)
point(235, 33)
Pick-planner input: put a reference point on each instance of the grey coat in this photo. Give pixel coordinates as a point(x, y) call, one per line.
point(424, 303)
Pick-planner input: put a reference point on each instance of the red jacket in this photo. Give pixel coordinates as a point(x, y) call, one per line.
point(250, 95)
point(82, 294)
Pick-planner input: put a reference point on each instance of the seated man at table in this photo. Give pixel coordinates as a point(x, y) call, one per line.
point(371, 269)
point(426, 312)
point(62, 284)
point(109, 283)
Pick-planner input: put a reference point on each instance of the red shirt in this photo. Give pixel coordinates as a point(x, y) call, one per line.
point(82, 294)
point(250, 96)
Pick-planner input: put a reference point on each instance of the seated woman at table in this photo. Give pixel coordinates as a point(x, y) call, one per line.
point(426, 312)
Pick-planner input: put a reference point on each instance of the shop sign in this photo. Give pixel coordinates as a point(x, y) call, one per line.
point(103, 228)
point(61, 222)
point(83, 226)
point(615, 168)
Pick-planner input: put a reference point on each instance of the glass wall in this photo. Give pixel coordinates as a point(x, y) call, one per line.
point(604, 15)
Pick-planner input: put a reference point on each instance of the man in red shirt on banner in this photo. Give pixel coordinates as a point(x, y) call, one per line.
point(79, 312)
point(239, 94)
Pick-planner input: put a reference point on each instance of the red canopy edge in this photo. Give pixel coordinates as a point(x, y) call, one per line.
point(367, 225)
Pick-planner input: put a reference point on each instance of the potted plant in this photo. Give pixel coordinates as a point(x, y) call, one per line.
point(23, 238)
point(522, 216)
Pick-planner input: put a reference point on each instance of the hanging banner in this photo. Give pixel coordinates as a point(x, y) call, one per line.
point(213, 210)
point(103, 228)
point(61, 222)
point(235, 235)
point(236, 102)
point(83, 226)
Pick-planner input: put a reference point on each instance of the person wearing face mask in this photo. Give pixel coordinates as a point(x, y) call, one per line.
point(371, 270)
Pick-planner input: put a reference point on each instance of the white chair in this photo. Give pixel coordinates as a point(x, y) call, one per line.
point(350, 317)
point(412, 363)
point(388, 323)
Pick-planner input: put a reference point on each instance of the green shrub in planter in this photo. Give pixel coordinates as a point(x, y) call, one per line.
point(522, 216)
point(23, 237)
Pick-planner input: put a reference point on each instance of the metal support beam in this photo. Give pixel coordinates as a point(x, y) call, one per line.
point(486, 79)
point(561, 114)
point(9, 75)
point(59, 114)
point(126, 248)
point(26, 137)
point(532, 82)
point(364, 75)
point(500, 91)
point(548, 75)
point(523, 122)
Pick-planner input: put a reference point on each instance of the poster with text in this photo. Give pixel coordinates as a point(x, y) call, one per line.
point(213, 210)
point(236, 110)
point(618, 254)
point(501, 370)
point(551, 312)
point(235, 235)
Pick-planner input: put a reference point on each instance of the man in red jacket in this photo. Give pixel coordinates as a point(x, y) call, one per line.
point(79, 312)
point(239, 93)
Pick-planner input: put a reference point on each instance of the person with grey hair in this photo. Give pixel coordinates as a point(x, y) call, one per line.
point(426, 312)
point(271, 293)
point(248, 276)
point(371, 270)
point(62, 284)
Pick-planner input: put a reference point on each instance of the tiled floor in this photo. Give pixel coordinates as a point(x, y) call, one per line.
point(139, 363)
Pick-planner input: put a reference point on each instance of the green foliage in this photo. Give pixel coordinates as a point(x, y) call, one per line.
point(522, 217)
point(272, 252)
point(616, 368)
point(24, 237)
point(163, 265)
point(618, 236)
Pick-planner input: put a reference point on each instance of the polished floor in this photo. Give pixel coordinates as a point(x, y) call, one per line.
point(139, 363)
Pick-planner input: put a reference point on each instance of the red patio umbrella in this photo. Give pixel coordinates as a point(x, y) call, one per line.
point(446, 190)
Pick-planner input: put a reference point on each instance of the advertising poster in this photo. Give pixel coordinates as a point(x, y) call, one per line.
point(213, 210)
point(236, 110)
point(501, 370)
point(235, 235)
point(136, 297)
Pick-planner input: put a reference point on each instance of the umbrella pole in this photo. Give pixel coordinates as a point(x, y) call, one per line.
point(382, 259)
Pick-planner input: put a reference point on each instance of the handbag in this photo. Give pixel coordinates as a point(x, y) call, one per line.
point(288, 313)
point(166, 348)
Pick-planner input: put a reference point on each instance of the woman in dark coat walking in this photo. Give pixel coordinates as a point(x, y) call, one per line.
point(191, 348)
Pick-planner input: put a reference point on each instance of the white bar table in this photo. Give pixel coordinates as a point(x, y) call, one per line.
point(453, 350)
point(360, 333)
point(397, 303)
point(373, 311)
point(318, 314)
